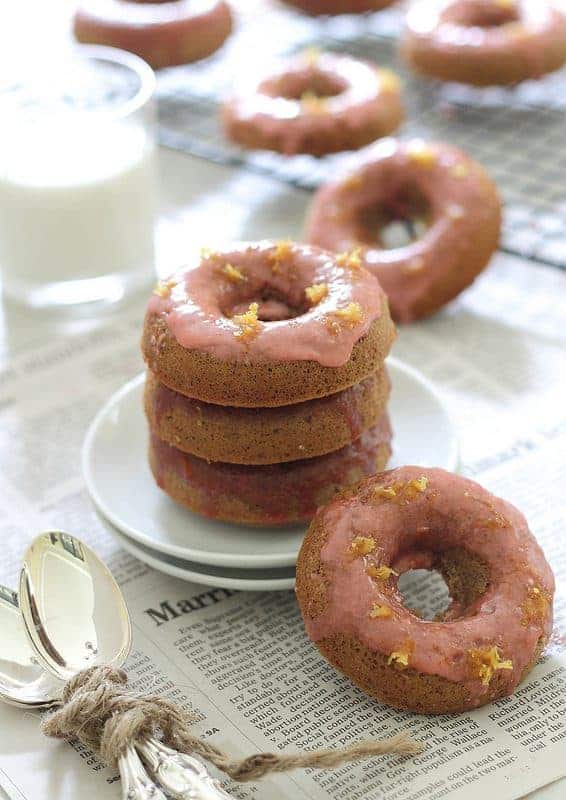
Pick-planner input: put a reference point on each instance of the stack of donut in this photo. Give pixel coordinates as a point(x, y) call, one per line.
point(266, 390)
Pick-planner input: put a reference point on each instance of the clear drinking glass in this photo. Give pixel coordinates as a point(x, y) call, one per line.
point(77, 189)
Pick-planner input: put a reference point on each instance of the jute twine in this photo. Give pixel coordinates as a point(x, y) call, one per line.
point(99, 710)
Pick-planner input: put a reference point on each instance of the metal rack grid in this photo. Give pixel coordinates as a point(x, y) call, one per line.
point(519, 135)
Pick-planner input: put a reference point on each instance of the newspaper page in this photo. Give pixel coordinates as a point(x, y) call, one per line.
point(242, 661)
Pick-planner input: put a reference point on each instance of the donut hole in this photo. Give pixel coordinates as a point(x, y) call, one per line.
point(442, 586)
point(295, 85)
point(481, 14)
point(425, 592)
point(273, 305)
point(398, 221)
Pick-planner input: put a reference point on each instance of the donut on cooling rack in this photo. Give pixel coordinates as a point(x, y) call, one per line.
point(501, 589)
point(449, 196)
point(266, 324)
point(316, 103)
point(265, 435)
point(485, 42)
point(269, 495)
point(162, 33)
point(316, 7)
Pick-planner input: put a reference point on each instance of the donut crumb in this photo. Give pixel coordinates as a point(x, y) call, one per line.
point(416, 264)
point(362, 546)
point(316, 293)
point(378, 611)
point(484, 663)
point(248, 323)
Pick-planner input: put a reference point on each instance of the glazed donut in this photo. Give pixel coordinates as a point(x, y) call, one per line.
point(265, 435)
point(485, 42)
point(271, 495)
point(266, 324)
point(317, 104)
point(435, 183)
point(316, 7)
point(501, 588)
point(164, 32)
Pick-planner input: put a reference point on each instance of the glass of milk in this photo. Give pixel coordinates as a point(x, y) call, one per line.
point(77, 194)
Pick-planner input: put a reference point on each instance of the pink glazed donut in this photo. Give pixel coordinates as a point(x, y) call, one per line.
point(501, 589)
point(485, 42)
point(317, 104)
point(440, 186)
point(163, 32)
point(316, 7)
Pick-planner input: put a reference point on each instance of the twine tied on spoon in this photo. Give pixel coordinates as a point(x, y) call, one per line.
point(99, 710)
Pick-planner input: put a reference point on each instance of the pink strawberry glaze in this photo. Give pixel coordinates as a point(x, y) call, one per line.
point(488, 29)
point(452, 512)
point(459, 207)
point(203, 300)
point(359, 96)
point(280, 491)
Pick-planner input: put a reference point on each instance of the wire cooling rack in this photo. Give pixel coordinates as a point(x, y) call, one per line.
point(519, 134)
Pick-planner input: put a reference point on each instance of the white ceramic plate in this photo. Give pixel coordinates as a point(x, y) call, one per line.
point(247, 580)
point(122, 488)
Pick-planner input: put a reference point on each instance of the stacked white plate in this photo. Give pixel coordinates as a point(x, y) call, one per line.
point(171, 539)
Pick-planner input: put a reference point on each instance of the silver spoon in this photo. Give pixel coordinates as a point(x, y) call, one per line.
point(76, 617)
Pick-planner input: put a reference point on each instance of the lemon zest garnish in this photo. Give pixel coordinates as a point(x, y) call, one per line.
point(460, 170)
point(381, 573)
point(362, 546)
point(163, 288)
point(311, 55)
point(233, 274)
point(402, 491)
point(388, 80)
point(352, 181)
point(206, 252)
point(316, 292)
point(352, 314)
point(421, 154)
point(377, 611)
point(399, 658)
point(535, 606)
point(351, 259)
point(486, 661)
point(312, 103)
point(281, 250)
point(248, 323)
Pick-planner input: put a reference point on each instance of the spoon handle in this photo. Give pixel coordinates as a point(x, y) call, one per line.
point(182, 777)
point(136, 784)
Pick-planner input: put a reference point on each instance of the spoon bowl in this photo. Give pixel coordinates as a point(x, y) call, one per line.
point(22, 681)
point(73, 610)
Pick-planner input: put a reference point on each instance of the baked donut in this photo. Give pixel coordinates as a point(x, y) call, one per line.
point(269, 495)
point(316, 7)
point(265, 435)
point(317, 104)
point(501, 589)
point(485, 42)
point(164, 32)
point(266, 324)
point(436, 184)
